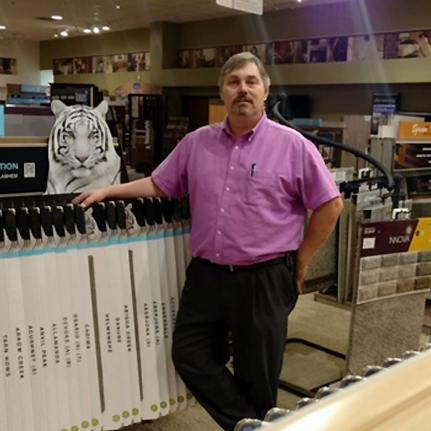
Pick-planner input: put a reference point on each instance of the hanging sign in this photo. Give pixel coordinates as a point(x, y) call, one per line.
point(251, 6)
point(414, 130)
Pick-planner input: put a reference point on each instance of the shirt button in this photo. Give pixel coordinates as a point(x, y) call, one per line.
point(236, 147)
point(218, 232)
point(222, 210)
point(249, 139)
point(227, 189)
point(217, 254)
point(232, 167)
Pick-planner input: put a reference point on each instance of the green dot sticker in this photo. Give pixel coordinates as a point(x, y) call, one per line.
point(163, 404)
point(116, 418)
point(95, 422)
point(126, 414)
point(154, 408)
point(75, 428)
point(189, 396)
point(172, 401)
point(64, 429)
point(135, 411)
point(180, 399)
point(85, 424)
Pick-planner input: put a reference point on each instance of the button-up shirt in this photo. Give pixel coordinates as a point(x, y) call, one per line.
point(249, 195)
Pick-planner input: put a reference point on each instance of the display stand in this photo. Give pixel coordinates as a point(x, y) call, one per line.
point(391, 284)
point(146, 126)
point(87, 311)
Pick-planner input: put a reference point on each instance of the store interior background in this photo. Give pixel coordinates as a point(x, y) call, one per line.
point(335, 89)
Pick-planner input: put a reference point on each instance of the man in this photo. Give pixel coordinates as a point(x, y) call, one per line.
point(250, 182)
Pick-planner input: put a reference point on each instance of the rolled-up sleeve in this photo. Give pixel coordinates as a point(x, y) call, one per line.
point(315, 183)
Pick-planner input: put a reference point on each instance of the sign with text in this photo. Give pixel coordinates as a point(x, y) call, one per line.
point(383, 106)
point(412, 156)
point(414, 130)
point(396, 237)
point(251, 6)
point(23, 168)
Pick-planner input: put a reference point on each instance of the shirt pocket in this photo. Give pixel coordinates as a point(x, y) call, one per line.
point(262, 189)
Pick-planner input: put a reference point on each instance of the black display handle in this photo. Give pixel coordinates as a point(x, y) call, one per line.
point(389, 179)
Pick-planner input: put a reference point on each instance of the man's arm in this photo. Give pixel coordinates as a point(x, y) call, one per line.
point(321, 224)
point(145, 187)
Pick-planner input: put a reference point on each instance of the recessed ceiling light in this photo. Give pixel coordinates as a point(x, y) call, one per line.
point(86, 30)
point(2, 27)
point(55, 35)
point(96, 30)
point(64, 33)
point(106, 28)
point(118, 6)
point(57, 17)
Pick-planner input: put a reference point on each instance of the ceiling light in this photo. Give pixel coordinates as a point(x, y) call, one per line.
point(106, 28)
point(2, 27)
point(57, 17)
point(55, 35)
point(96, 30)
point(64, 33)
point(87, 30)
point(118, 6)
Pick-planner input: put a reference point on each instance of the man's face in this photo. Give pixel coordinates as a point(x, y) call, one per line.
point(243, 91)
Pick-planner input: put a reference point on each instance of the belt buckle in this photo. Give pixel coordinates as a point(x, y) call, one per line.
point(231, 268)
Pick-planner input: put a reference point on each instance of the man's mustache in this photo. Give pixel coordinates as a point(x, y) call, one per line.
point(242, 99)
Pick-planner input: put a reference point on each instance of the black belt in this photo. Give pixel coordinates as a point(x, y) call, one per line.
point(286, 259)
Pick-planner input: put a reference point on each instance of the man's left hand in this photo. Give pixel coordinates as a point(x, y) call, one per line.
point(300, 272)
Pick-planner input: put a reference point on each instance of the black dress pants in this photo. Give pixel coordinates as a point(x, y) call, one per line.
point(252, 305)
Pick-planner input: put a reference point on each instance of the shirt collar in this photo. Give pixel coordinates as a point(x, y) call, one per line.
point(249, 134)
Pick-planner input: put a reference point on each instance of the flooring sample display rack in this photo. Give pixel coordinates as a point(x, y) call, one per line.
point(88, 304)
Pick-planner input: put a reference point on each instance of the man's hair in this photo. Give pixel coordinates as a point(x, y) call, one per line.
point(239, 60)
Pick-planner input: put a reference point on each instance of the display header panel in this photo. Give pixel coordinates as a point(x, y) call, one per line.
point(23, 169)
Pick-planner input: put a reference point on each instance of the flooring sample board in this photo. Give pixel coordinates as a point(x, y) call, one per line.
point(88, 302)
point(385, 328)
point(390, 293)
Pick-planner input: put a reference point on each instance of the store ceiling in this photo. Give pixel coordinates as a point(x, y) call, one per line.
point(20, 16)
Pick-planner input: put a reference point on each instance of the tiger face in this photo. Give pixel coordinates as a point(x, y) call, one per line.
point(81, 151)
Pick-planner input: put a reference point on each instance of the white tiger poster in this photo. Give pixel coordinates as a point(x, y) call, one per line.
point(81, 151)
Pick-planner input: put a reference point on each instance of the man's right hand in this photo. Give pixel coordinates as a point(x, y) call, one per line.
point(144, 187)
point(87, 198)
